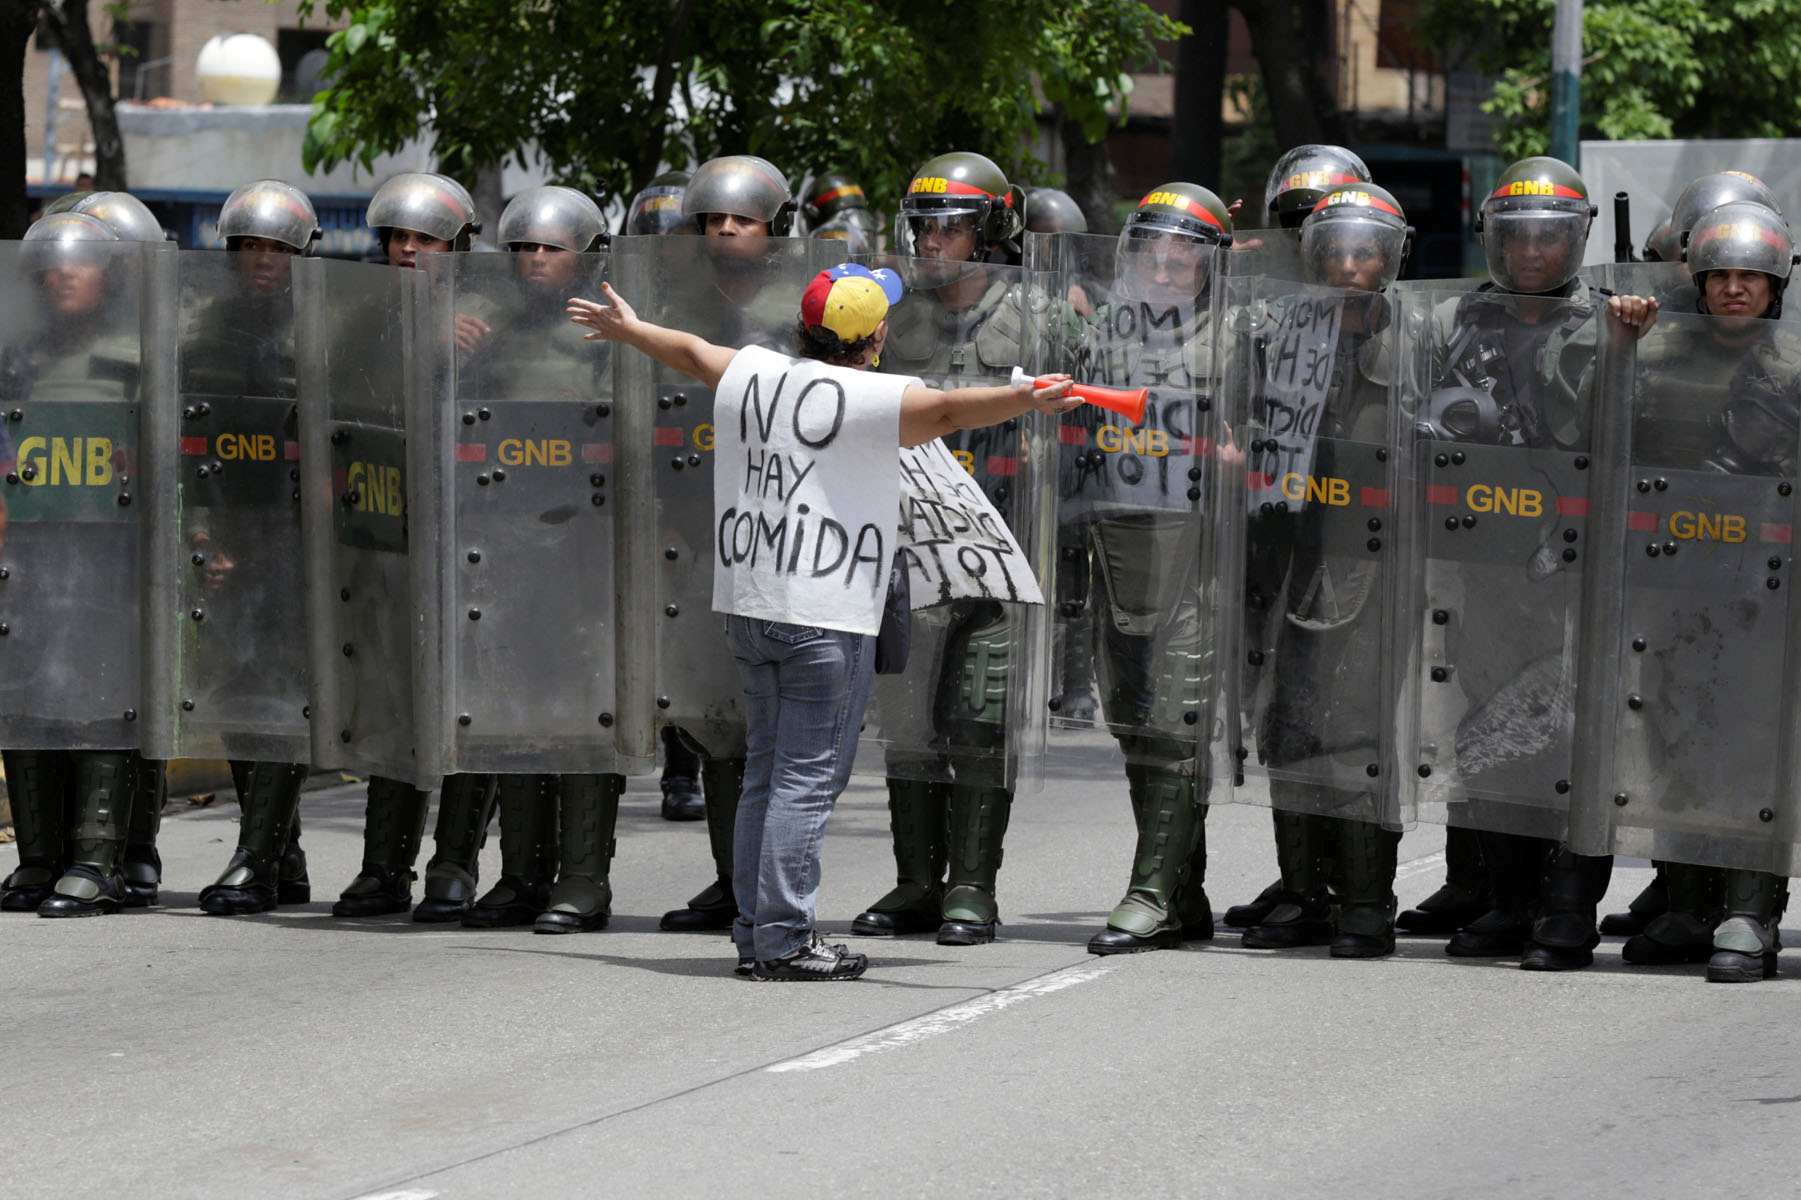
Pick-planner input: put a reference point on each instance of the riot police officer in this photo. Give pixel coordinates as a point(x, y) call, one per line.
point(961, 323)
point(552, 826)
point(657, 208)
point(833, 204)
point(412, 214)
point(74, 809)
point(242, 344)
point(1724, 397)
point(1322, 658)
point(738, 203)
point(1145, 545)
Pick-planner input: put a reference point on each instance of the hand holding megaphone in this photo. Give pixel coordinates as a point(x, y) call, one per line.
point(1128, 404)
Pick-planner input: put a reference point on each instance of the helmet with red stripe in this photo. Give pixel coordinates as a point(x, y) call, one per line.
point(1167, 246)
point(1356, 236)
point(960, 192)
point(834, 197)
point(1534, 226)
point(1742, 236)
point(1707, 192)
point(1305, 174)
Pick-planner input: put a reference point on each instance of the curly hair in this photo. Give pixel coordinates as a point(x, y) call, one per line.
point(818, 342)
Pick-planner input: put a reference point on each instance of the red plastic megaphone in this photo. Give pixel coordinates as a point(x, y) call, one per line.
point(1128, 404)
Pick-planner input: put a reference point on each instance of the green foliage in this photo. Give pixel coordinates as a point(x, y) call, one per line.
point(1651, 68)
point(609, 91)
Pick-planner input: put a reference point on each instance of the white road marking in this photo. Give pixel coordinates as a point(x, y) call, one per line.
point(943, 1021)
point(402, 1194)
point(1420, 865)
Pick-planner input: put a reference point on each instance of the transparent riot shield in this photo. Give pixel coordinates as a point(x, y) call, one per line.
point(236, 594)
point(514, 520)
point(735, 292)
point(971, 705)
point(356, 365)
point(1498, 395)
point(1272, 253)
point(1690, 687)
point(1314, 677)
point(88, 357)
point(1135, 590)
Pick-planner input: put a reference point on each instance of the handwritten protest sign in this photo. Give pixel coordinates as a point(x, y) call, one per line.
point(1293, 381)
point(804, 491)
point(957, 546)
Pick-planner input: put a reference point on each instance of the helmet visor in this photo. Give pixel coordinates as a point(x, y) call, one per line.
point(1352, 251)
point(1162, 263)
point(1534, 251)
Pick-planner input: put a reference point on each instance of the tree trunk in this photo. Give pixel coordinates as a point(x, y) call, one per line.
point(1090, 174)
point(1292, 42)
point(1200, 94)
point(76, 40)
point(17, 18)
point(489, 199)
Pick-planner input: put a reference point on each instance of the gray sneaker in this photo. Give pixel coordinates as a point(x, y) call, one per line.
point(814, 961)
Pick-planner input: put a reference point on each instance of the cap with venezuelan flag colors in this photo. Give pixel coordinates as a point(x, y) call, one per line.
point(849, 301)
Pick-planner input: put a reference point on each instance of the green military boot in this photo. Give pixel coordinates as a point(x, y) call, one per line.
point(1644, 908)
point(582, 899)
point(1746, 943)
point(1302, 916)
point(917, 818)
point(142, 866)
point(1564, 936)
point(977, 826)
point(1169, 831)
point(1465, 895)
point(528, 854)
point(37, 783)
point(1365, 866)
point(465, 809)
point(721, 782)
point(1693, 898)
point(93, 885)
point(269, 793)
point(395, 822)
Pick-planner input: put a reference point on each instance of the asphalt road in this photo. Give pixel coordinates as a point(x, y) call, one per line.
point(171, 1054)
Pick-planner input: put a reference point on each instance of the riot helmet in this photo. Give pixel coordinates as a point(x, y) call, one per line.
point(1165, 252)
point(553, 216)
point(1742, 236)
point(1708, 192)
point(834, 198)
point(658, 207)
point(1305, 174)
point(1534, 226)
point(435, 205)
point(1049, 210)
point(953, 198)
point(127, 215)
point(741, 185)
point(65, 202)
point(70, 254)
point(1356, 236)
point(1662, 244)
point(271, 210)
point(847, 229)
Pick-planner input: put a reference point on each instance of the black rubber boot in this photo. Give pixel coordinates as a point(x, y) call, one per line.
point(1242, 916)
point(395, 823)
point(269, 793)
point(38, 785)
point(918, 822)
point(1694, 901)
point(1465, 895)
point(465, 810)
point(529, 853)
point(1170, 834)
point(978, 825)
point(1515, 867)
point(1365, 866)
point(715, 907)
point(682, 798)
point(582, 899)
point(1301, 916)
point(295, 886)
point(93, 885)
point(142, 866)
point(1746, 943)
point(1645, 907)
point(1564, 936)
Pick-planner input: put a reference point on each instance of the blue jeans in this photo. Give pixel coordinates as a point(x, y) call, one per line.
point(805, 691)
